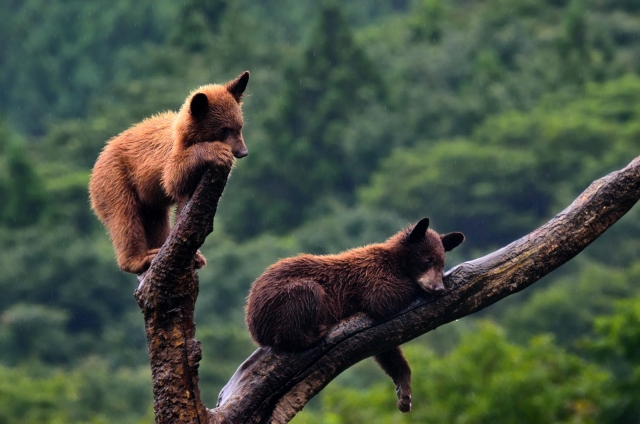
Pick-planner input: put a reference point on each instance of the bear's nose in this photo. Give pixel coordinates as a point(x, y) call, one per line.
point(439, 288)
point(241, 153)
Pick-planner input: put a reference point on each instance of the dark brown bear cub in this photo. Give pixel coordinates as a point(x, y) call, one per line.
point(293, 304)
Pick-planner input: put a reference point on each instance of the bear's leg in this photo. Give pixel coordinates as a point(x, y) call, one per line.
point(115, 201)
point(394, 364)
point(185, 166)
point(289, 318)
point(128, 234)
point(385, 300)
point(301, 316)
point(157, 226)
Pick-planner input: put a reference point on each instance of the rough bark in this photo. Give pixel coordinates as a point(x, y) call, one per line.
point(269, 387)
point(167, 295)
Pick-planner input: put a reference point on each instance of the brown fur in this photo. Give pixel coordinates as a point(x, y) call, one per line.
point(158, 162)
point(292, 305)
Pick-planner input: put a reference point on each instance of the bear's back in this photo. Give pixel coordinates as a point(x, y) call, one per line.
point(141, 152)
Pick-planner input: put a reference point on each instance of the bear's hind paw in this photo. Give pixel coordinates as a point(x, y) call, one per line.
point(200, 260)
point(404, 400)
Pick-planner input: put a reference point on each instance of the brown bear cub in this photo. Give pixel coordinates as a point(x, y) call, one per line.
point(158, 162)
point(292, 305)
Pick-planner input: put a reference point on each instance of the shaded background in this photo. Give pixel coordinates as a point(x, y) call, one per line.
point(489, 116)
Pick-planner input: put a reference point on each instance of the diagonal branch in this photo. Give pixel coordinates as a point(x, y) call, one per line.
point(272, 388)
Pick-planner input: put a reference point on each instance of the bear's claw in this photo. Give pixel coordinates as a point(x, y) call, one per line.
point(404, 405)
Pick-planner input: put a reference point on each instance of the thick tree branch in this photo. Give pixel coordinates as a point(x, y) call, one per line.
point(273, 388)
point(167, 295)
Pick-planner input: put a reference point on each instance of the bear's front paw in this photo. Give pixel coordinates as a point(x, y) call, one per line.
point(223, 158)
point(404, 399)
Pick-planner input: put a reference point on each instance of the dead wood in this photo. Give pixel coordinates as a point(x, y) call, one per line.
point(269, 387)
point(167, 295)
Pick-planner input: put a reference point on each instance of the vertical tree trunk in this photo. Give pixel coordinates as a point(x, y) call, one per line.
point(167, 295)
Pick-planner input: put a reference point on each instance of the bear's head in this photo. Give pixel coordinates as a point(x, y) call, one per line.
point(427, 253)
point(213, 113)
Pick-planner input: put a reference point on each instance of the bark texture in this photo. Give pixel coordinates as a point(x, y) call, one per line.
point(271, 387)
point(167, 295)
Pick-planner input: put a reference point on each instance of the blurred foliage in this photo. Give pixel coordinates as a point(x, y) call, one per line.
point(516, 169)
point(90, 394)
point(77, 47)
point(568, 306)
point(198, 19)
point(362, 117)
point(617, 345)
point(307, 161)
point(485, 379)
point(21, 190)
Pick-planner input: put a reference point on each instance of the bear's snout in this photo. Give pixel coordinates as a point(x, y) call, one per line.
point(239, 149)
point(241, 153)
point(431, 281)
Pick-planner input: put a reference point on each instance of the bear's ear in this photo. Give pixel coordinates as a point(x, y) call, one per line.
point(199, 105)
point(238, 85)
point(451, 241)
point(419, 231)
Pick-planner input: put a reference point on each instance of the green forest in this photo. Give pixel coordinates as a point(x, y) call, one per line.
point(488, 116)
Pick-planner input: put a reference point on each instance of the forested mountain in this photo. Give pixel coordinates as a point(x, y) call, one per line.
point(488, 116)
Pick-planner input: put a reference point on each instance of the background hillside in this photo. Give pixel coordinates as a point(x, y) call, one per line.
point(488, 116)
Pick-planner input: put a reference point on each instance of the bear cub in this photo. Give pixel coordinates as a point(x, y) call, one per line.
point(293, 304)
point(144, 171)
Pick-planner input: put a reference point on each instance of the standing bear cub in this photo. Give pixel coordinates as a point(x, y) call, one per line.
point(157, 163)
point(292, 305)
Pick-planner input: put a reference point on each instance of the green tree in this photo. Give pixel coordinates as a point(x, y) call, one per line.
point(34, 331)
point(198, 20)
point(485, 379)
point(305, 159)
point(74, 277)
point(39, 401)
point(573, 45)
point(428, 22)
point(568, 306)
point(58, 57)
point(93, 393)
point(21, 189)
point(617, 345)
point(516, 170)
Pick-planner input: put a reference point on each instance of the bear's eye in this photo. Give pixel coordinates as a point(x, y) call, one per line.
point(225, 132)
point(428, 261)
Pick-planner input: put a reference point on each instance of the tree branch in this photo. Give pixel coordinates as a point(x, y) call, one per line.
point(272, 388)
point(167, 295)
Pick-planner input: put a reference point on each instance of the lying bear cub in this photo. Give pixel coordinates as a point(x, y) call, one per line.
point(293, 304)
